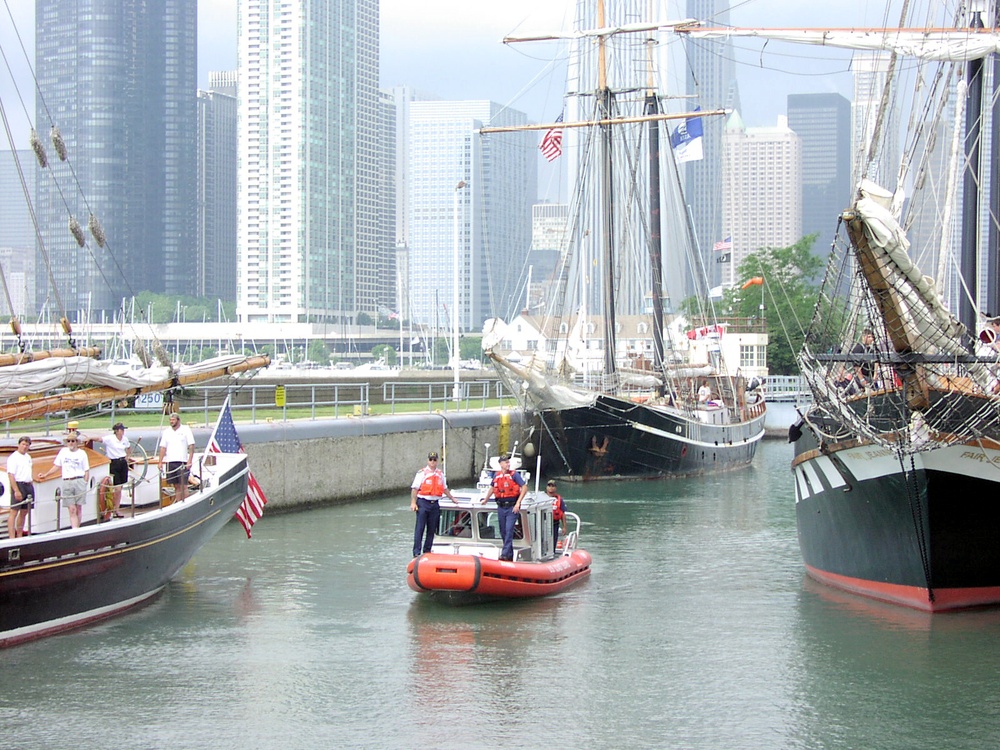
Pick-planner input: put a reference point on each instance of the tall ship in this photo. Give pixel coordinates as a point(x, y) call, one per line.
point(650, 405)
point(66, 561)
point(897, 463)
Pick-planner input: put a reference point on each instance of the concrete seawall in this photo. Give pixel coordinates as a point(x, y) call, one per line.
point(327, 461)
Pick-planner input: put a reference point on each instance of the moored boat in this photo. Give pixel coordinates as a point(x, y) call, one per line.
point(612, 401)
point(463, 566)
point(59, 578)
point(896, 461)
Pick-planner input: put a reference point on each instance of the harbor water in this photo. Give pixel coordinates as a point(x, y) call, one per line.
point(697, 629)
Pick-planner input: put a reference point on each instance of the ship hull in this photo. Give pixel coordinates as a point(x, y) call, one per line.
point(472, 579)
point(50, 583)
point(615, 438)
point(921, 533)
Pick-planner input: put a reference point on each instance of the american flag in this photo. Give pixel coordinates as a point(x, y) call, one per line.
point(726, 244)
point(551, 145)
point(225, 440)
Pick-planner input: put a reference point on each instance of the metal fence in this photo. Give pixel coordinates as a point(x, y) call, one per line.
point(345, 399)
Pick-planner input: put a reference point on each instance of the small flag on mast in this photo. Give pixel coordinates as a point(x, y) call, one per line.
point(687, 139)
point(551, 145)
point(225, 440)
point(723, 245)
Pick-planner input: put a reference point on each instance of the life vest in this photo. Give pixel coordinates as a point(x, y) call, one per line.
point(504, 486)
point(433, 484)
point(558, 513)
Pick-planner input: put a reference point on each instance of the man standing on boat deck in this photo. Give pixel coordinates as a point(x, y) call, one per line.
point(22, 490)
point(428, 487)
point(177, 449)
point(75, 467)
point(509, 488)
point(558, 511)
point(119, 450)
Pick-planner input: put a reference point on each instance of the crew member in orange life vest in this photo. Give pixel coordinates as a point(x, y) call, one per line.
point(558, 511)
point(509, 488)
point(428, 486)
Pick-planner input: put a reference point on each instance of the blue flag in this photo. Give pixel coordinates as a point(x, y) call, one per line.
point(686, 140)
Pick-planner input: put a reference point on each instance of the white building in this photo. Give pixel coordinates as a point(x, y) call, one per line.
point(488, 218)
point(761, 191)
point(308, 157)
point(742, 344)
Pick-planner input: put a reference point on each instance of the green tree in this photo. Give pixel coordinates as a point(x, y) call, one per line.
point(786, 298)
point(319, 352)
point(470, 347)
point(385, 351)
point(364, 319)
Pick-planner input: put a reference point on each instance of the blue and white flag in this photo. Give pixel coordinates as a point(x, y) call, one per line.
point(686, 140)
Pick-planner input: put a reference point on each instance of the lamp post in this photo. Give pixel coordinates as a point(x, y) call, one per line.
point(456, 390)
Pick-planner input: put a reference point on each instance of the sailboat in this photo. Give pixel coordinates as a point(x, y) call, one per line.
point(631, 415)
point(897, 463)
point(58, 571)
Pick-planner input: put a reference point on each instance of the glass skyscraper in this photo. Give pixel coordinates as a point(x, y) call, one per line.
point(118, 78)
point(309, 238)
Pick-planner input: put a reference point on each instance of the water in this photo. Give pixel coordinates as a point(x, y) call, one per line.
point(696, 630)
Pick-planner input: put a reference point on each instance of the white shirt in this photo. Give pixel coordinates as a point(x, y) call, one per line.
point(177, 442)
point(74, 463)
point(115, 448)
point(19, 466)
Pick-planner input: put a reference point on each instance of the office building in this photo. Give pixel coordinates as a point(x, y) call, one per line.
point(823, 124)
point(118, 78)
point(216, 267)
point(308, 227)
point(471, 194)
point(711, 80)
point(761, 199)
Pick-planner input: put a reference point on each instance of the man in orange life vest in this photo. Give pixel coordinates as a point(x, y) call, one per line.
point(558, 511)
point(425, 493)
point(508, 487)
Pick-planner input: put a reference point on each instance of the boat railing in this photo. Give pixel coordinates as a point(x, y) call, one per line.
point(572, 537)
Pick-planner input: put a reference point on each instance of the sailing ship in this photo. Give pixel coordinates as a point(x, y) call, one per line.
point(635, 416)
point(897, 463)
point(63, 572)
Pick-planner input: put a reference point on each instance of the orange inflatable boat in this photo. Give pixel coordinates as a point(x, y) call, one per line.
point(462, 567)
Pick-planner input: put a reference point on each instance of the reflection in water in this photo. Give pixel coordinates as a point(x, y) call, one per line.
point(697, 629)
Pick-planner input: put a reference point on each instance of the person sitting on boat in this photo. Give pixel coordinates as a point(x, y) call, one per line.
point(177, 450)
point(75, 466)
point(119, 450)
point(426, 490)
point(558, 511)
point(509, 488)
point(462, 525)
point(990, 336)
point(19, 472)
point(864, 372)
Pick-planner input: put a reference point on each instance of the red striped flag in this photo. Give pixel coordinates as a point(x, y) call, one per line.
point(224, 439)
point(551, 145)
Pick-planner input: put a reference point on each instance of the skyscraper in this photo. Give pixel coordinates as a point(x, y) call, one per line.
point(17, 233)
point(493, 222)
point(118, 79)
point(711, 79)
point(823, 123)
point(216, 268)
point(308, 143)
point(761, 199)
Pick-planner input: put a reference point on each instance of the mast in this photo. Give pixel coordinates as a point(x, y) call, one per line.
point(993, 240)
point(970, 194)
point(655, 237)
point(607, 202)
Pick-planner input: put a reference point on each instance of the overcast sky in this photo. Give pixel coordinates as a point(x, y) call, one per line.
point(452, 48)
